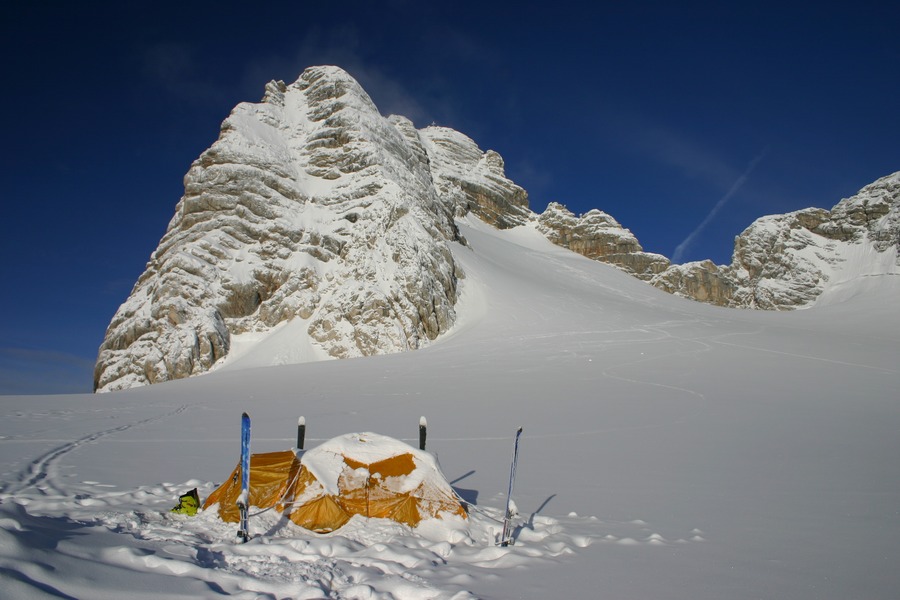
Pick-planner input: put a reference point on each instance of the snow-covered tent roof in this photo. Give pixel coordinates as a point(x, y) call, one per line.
point(354, 474)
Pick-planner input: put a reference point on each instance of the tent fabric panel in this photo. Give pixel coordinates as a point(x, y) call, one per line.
point(269, 477)
point(396, 466)
point(321, 515)
point(291, 484)
point(301, 486)
point(433, 500)
point(226, 496)
point(402, 508)
point(354, 501)
point(268, 480)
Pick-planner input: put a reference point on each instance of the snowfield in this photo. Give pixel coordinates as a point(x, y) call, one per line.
point(670, 450)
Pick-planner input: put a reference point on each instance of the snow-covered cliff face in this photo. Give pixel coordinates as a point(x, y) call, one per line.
point(309, 206)
point(792, 260)
point(470, 180)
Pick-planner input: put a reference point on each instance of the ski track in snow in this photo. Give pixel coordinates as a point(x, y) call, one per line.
point(804, 356)
point(663, 335)
point(41, 469)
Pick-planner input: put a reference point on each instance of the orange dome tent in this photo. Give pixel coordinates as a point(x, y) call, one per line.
point(355, 474)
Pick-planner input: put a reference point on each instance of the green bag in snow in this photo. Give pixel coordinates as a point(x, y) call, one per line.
point(188, 503)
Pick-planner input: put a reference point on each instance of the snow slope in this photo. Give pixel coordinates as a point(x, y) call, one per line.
point(671, 450)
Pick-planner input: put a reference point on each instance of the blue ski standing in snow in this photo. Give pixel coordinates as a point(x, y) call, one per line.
point(244, 498)
point(506, 536)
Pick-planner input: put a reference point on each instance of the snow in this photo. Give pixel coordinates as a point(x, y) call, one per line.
point(860, 267)
point(326, 461)
point(287, 343)
point(670, 450)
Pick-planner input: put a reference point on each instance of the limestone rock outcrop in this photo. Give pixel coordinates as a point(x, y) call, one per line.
point(700, 280)
point(598, 236)
point(787, 261)
point(780, 262)
point(309, 206)
point(470, 180)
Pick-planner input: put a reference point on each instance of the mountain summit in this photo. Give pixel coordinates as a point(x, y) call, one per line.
point(316, 216)
point(311, 207)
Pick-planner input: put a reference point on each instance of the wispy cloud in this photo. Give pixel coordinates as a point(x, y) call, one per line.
point(738, 183)
point(340, 46)
point(174, 67)
point(391, 96)
point(663, 144)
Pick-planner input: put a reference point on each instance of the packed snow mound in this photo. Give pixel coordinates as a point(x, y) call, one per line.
point(310, 207)
point(802, 258)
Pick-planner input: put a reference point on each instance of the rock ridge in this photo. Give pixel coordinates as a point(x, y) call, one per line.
point(788, 261)
point(599, 236)
point(780, 262)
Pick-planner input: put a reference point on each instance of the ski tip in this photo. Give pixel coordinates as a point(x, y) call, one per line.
point(245, 416)
point(301, 421)
point(423, 422)
point(518, 431)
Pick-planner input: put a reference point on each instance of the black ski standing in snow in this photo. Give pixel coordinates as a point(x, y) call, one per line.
point(506, 536)
point(244, 499)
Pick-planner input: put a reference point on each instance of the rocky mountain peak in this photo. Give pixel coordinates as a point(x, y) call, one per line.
point(310, 208)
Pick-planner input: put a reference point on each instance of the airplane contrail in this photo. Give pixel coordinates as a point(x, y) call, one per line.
point(739, 182)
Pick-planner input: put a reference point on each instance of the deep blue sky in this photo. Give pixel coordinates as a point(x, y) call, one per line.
point(649, 111)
